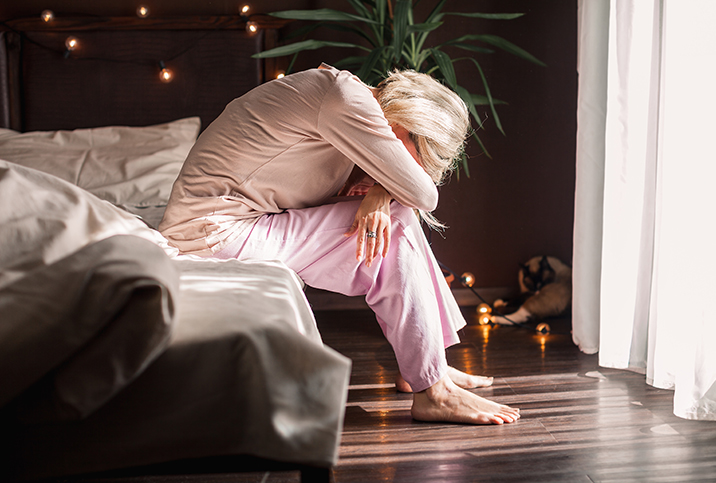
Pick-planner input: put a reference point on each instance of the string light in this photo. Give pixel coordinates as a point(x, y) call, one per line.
point(484, 309)
point(280, 74)
point(71, 44)
point(467, 279)
point(543, 328)
point(485, 319)
point(165, 75)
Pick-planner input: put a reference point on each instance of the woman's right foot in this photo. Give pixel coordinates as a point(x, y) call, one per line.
point(446, 402)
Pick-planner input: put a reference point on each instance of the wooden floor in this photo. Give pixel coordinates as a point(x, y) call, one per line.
point(580, 422)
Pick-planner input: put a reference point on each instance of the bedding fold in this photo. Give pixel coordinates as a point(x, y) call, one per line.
point(84, 327)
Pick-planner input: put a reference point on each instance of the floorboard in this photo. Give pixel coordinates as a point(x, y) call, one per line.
point(580, 422)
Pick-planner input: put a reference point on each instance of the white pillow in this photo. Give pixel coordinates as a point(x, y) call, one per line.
point(127, 166)
point(44, 219)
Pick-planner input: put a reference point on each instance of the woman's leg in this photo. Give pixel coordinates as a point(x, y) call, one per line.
point(406, 290)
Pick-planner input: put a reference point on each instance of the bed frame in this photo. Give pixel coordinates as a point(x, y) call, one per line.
point(112, 78)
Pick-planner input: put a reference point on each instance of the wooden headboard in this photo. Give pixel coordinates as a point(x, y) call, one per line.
point(112, 77)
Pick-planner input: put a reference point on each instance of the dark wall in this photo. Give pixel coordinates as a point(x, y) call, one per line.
point(515, 205)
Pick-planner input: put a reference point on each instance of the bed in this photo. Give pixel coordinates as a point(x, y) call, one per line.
point(119, 354)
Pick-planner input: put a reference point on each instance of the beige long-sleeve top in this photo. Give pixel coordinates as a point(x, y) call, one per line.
point(289, 143)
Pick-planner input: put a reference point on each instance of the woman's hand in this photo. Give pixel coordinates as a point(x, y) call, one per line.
point(372, 223)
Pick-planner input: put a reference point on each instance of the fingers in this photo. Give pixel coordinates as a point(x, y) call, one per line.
point(352, 229)
point(373, 242)
point(372, 229)
point(360, 239)
point(386, 240)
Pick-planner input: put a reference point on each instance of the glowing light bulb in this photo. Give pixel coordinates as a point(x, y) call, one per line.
point(484, 309)
point(72, 43)
point(245, 9)
point(543, 328)
point(280, 74)
point(47, 15)
point(142, 11)
point(485, 319)
point(165, 75)
point(252, 27)
point(467, 279)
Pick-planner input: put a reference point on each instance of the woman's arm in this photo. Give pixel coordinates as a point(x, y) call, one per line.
point(352, 121)
point(358, 183)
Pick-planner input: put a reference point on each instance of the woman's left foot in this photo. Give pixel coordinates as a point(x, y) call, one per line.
point(461, 379)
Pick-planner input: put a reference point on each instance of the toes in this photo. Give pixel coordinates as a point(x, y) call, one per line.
point(484, 381)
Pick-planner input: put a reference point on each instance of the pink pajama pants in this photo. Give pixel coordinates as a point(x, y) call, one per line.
point(406, 289)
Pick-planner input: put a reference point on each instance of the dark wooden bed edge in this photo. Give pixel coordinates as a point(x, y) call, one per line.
point(226, 464)
point(10, 94)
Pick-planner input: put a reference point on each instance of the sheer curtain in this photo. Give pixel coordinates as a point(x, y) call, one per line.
point(645, 207)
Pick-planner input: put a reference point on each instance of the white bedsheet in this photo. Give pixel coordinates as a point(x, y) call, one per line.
point(245, 371)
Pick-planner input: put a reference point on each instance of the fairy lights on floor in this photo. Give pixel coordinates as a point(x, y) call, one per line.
point(484, 310)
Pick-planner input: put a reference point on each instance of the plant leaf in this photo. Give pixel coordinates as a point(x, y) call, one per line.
point(301, 46)
point(361, 9)
point(346, 62)
point(473, 48)
point(423, 27)
point(370, 62)
point(332, 26)
point(400, 26)
point(501, 43)
point(480, 100)
point(482, 146)
point(322, 15)
point(489, 16)
point(467, 99)
point(445, 66)
point(433, 16)
point(489, 96)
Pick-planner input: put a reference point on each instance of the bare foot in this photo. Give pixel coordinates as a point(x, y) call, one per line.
point(445, 401)
point(461, 379)
point(468, 381)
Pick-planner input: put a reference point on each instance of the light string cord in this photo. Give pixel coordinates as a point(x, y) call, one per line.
point(26, 37)
point(482, 299)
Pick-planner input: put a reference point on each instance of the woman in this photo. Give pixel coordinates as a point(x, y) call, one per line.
point(261, 181)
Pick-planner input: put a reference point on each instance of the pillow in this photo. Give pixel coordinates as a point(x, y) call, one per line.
point(44, 219)
point(127, 166)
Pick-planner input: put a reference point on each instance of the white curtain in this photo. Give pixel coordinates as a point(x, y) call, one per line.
point(645, 206)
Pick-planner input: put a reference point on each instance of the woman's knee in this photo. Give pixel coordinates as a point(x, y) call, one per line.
point(405, 215)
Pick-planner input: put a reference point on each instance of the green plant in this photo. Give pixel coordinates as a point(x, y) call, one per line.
point(392, 39)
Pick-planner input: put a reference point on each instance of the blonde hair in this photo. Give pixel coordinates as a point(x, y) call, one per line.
point(435, 116)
